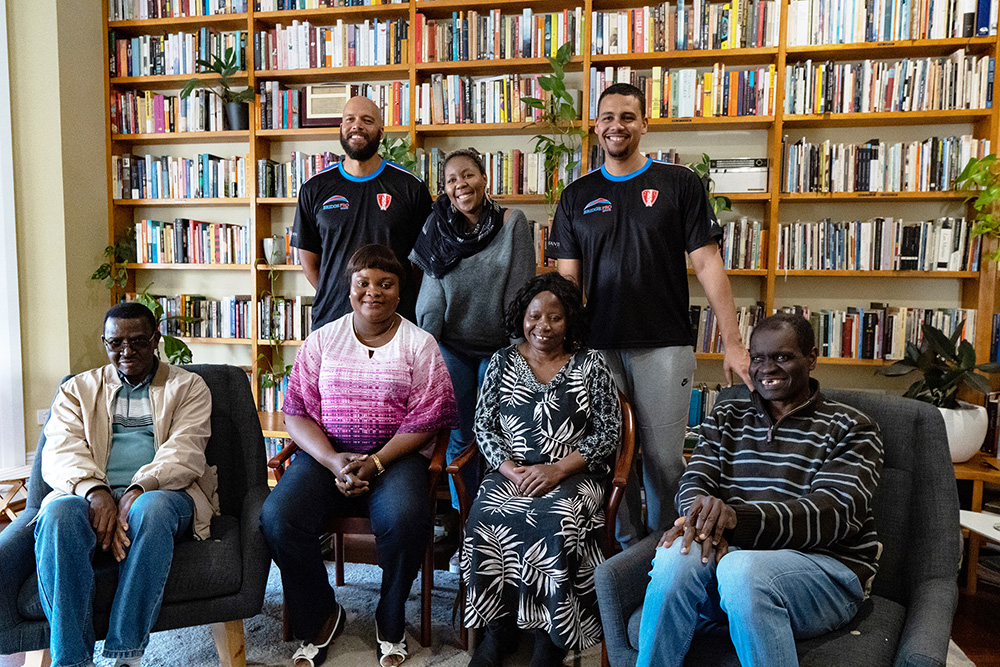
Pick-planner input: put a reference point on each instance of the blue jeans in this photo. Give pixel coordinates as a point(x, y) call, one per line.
point(65, 544)
point(292, 520)
point(768, 598)
point(467, 372)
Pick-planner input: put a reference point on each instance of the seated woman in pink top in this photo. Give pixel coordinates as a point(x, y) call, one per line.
point(367, 393)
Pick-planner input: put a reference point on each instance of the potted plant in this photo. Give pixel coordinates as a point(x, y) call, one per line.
point(397, 149)
point(704, 171)
point(946, 363)
point(982, 178)
point(560, 135)
point(237, 101)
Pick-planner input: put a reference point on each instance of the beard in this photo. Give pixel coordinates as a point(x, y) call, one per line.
point(365, 152)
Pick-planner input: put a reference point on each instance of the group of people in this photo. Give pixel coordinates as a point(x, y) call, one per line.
point(429, 316)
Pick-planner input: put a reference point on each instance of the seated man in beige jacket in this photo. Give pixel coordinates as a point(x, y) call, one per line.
point(125, 457)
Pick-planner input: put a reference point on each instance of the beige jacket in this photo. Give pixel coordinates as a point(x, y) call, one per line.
point(78, 438)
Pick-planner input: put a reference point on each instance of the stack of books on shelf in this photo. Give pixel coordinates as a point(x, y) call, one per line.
point(879, 244)
point(302, 45)
point(197, 316)
point(685, 26)
point(284, 179)
point(959, 81)
point(284, 318)
point(136, 112)
point(743, 243)
point(177, 53)
point(168, 177)
point(273, 396)
point(690, 92)
point(140, 10)
point(703, 400)
point(282, 108)
point(452, 99)
point(491, 35)
point(879, 331)
point(848, 21)
point(705, 326)
point(876, 166)
point(185, 241)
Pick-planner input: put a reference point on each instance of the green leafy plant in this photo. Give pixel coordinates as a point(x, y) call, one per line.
point(982, 178)
point(225, 67)
point(177, 351)
point(946, 363)
point(704, 171)
point(397, 149)
point(560, 135)
point(112, 271)
point(269, 372)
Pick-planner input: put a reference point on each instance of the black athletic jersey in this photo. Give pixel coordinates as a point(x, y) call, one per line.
point(631, 234)
point(338, 213)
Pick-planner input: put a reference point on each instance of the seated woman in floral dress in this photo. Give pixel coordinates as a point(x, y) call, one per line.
point(548, 421)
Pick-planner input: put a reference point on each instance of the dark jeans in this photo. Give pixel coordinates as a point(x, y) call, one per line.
point(293, 518)
point(467, 372)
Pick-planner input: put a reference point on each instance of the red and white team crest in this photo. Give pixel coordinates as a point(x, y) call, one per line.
point(384, 199)
point(649, 197)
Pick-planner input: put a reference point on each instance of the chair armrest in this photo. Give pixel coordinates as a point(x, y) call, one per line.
point(256, 561)
point(455, 469)
point(17, 562)
point(621, 583)
point(623, 467)
point(438, 457)
point(278, 462)
point(459, 461)
point(924, 641)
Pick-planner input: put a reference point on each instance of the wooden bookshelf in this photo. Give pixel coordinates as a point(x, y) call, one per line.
point(773, 207)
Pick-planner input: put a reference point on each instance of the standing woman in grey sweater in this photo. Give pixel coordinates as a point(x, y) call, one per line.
point(475, 256)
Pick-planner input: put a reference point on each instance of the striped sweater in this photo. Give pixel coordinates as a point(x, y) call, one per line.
point(805, 482)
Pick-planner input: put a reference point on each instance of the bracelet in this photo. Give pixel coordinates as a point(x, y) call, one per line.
point(379, 468)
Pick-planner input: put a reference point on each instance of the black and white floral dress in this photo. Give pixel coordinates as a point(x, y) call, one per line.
point(533, 559)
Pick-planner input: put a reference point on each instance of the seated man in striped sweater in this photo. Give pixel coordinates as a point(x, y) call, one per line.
point(776, 536)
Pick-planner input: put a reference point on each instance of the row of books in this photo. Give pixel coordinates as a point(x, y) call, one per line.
point(146, 112)
point(876, 166)
point(705, 326)
point(849, 21)
point(452, 99)
point(490, 35)
point(283, 179)
point(185, 241)
point(302, 45)
point(282, 108)
point(284, 318)
point(175, 53)
point(959, 81)
point(167, 177)
point(689, 92)
point(743, 243)
point(880, 244)
point(699, 25)
point(285, 5)
point(196, 316)
point(140, 10)
point(703, 400)
point(879, 331)
point(990, 445)
point(670, 156)
point(513, 172)
point(292, 256)
point(540, 235)
point(274, 445)
point(272, 397)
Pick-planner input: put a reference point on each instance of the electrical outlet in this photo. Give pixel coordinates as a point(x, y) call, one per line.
point(42, 416)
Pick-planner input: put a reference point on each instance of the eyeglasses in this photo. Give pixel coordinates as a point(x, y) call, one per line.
point(138, 344)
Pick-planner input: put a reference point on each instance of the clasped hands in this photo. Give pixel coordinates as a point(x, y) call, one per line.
point(706, 520)
point(352, 472)
point(532, 480)
point(110, 519)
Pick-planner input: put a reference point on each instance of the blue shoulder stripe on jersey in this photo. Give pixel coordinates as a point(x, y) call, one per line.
point(403, 169)
point(626, 177)
point(362, 179)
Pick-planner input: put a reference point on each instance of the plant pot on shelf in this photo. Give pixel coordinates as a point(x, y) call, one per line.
point(238, 115)
point(274, 250)
point(966, 428)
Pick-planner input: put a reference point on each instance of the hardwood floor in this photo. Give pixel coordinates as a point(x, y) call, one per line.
point(976, 629)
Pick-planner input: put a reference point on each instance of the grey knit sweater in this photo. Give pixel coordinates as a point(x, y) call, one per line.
point(464, 309)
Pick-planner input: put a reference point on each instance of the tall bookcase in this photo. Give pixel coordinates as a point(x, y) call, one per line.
point(744, 136)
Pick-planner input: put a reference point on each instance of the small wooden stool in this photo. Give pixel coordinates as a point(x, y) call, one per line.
point(16, 479)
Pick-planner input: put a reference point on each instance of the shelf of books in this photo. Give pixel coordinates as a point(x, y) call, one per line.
point(835, 132)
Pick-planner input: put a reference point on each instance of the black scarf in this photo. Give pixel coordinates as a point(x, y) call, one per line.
point(445, 239)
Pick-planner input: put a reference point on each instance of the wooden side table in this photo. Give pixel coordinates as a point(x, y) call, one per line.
point(16, 479)
point(979, 470)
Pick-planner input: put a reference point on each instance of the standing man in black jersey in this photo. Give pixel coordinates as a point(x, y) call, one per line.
point(360, 200)
point(622, 232)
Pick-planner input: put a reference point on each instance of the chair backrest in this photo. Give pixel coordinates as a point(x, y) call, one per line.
point(236, 447)
point(916, 504)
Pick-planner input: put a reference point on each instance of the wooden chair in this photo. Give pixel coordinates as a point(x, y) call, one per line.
point(349, 525)
point(612, 499)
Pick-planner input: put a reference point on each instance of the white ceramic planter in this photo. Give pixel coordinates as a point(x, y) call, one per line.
point(966, 429)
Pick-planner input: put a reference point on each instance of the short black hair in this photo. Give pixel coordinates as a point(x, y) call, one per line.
point(132, 310)
point(804, 334)
point(469, 153)
point(375, 256)
point(626, 89)
point(569, 295)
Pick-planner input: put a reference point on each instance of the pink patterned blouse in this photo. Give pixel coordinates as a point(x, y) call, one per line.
point(362, 396)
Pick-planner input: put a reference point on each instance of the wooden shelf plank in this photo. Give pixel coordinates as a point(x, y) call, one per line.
point(179, 23)
point(279, 267)
point(830, 361)
point(757, 56)
point(503, 66)
point(205, 201)
point(278, 201)
point(305, 133)
point(890, 49)
point(886, 118)
point(228, 136)
point(171, 81)
point(330, 74)
point(948, 195)
point(444, 8)
point(329, 15)
point(710, 123)
point(164, 266)
point(491, 129)
point(289, 343)
point(214, 341)
point(921, 275)
point(272, 424)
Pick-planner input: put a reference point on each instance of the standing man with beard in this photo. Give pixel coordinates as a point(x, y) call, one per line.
point(360, 200)
point(622, 233)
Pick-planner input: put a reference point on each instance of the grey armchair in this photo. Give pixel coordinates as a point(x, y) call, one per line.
point(907, 619)
point(218, 581)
